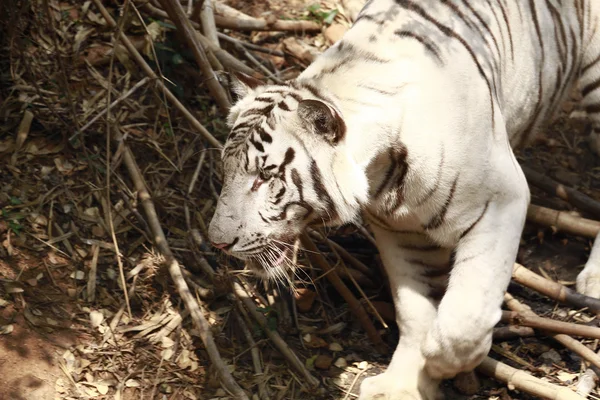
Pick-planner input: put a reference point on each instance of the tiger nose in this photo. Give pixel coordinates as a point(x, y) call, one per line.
point(224, 246)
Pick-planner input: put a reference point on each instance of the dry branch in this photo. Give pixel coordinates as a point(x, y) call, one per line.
point(261, 24)
point(189, 300)
point(562, 338)
point(563, 221)
point(144, 65)
point(566, 193)
point(552, 289)
point(228, 61)
point(281, 345)
point(512, 332)
point(521, 380)
point(178, 16)
point(207, 18)
point(355, 306)
point(547, 324)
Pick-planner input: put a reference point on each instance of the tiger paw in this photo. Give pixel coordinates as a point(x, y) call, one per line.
point(389, 386)
point(452, 348)
point(588, 281)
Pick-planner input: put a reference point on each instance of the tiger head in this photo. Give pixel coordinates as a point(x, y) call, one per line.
point(285, 166)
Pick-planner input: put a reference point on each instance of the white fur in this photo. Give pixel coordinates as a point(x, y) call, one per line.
point(442, 114)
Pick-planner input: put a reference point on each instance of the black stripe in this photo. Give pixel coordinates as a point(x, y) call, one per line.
point(429, 45)
point(438, 179)
point(295, 96)
point(320, 189)
point(283, 106)
point(438, 219)
point(506, 21)
point(279, 195)
point(485, 25)
point(499, 25)
point(263, 99)
point(591, 87)
point(297, 180)
point(259, 111)
point(263, 218)
point(257, 144)
point(264, 136)
point(410, 5)
point(470, 228)
point(593, 108)
point(377, 221)
point(288, 158)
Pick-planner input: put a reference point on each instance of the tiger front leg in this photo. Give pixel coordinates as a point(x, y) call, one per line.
point(588, 280)
point(461, 335)
point(417, 271)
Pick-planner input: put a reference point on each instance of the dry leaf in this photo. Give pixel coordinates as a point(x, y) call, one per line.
point(132, 383)
point(96, 318)
point(6, 329)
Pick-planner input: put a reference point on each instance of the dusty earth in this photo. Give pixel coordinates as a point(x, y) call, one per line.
point(56, 342)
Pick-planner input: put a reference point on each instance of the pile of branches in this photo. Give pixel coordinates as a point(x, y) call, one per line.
point(131, 99)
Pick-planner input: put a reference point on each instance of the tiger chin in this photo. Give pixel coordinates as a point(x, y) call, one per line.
point(410, 121)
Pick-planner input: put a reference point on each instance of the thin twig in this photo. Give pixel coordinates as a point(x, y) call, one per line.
point(552, 289)
point(355, 306)
point(207, 19)
point(566, 193)
point(144, 65)
point(175, 271)
point(110, 107)
point(251, 46)
point(512, 332)
point(108, 208)
point(563, 221)
point(281, 345)
point(178, 16)
point(562, 338)
point(228, 61)
point(521, 380)
point(260, 24)
point(256, 361)
point(547, 324)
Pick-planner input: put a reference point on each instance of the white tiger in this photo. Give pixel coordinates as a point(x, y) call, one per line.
point(410, 119)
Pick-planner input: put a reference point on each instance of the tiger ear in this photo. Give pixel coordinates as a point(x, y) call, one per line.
point(326, 121)
point(241, 84)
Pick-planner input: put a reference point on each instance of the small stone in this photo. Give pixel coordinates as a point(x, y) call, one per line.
point(335, 347)
point(97, 231)
point(323, 362)
point(314, 342)
point(363, 365)
point(334, 32)
point(467, 383)
point(305, 299)
point(550, 357)
point(341, 363)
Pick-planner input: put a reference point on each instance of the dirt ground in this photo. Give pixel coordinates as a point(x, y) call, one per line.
point(66, 330)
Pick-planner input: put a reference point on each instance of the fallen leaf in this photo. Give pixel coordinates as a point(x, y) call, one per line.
point(96, 318)
point(6, 329)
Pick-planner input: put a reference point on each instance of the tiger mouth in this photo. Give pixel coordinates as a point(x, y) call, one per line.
point(275, 255)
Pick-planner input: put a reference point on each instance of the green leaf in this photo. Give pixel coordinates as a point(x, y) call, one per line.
point(310, 362)
point(15, 201)
point(313, 8)
point(330, 16)
point(177, 59)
